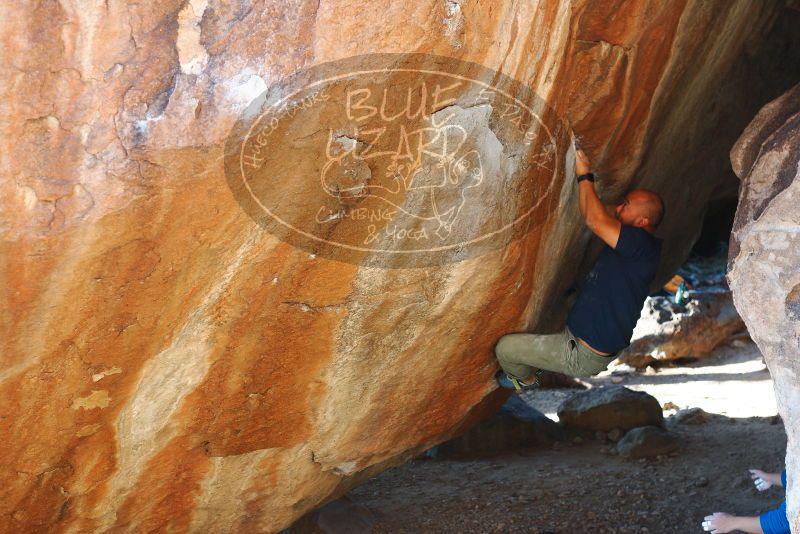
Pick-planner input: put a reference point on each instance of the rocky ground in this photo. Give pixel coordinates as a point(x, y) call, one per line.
point(583, 487)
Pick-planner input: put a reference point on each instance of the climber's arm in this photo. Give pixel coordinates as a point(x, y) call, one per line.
point(598, 218)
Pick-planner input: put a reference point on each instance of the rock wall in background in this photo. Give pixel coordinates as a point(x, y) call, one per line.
point(764, 259)
point(166, 365)
point(667, 331)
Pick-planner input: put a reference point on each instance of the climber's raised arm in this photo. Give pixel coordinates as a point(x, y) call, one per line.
point(598, 217)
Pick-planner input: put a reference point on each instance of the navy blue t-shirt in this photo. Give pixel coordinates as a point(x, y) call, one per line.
point(610, 301)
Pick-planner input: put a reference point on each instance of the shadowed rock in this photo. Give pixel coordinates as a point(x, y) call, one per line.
point(667, 331)
point(516, 425)
point(646, 442)
point(609, 407)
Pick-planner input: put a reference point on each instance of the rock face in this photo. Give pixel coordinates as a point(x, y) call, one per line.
point(167, 365)
point(609, 407)
point(765, 259)
point(667, 331)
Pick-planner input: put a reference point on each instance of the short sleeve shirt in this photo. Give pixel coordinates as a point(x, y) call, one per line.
point(776, 521)
point(610, 301)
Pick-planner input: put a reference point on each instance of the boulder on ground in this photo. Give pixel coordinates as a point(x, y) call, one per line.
point(646, 442)
point(516, 425)
point(608, 407)
point(691, 416)
point(668, 331)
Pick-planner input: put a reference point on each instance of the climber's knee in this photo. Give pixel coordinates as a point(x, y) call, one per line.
point(507, 347)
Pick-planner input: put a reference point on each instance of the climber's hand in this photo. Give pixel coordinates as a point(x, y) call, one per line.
point(581, 163)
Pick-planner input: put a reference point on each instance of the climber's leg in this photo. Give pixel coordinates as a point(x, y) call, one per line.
point(522, 354)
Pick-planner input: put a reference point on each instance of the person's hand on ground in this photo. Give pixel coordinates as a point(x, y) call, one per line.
point(581, 162)
point(719, 523)
point(763, 481)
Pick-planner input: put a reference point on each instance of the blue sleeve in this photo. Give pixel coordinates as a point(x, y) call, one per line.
point(783, 478)
point(632, 242)
point(775, 521)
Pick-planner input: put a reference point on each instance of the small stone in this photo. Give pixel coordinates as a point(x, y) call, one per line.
point(669, 405)
point(615, 434)
point(621, 369)
point(646, 442)
point(701, 482)
point(691, 416)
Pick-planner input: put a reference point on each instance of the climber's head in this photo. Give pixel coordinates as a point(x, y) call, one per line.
point(641, 208)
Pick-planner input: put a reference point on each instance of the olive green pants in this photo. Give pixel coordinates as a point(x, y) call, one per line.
point(519, 354)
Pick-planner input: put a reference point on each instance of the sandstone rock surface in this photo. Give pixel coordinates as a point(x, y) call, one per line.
point(764, 259)
point(168, 366)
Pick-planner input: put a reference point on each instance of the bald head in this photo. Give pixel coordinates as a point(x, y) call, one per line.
point(642, 208)
point(647, 204)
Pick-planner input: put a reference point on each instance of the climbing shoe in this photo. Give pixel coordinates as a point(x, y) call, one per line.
point(509, 382)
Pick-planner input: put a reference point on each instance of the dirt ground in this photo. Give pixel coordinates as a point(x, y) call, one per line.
point(582, 487)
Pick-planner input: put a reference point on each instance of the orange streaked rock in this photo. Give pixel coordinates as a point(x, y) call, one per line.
point(246, 381)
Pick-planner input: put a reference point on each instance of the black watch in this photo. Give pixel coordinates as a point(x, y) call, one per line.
point(588, 176)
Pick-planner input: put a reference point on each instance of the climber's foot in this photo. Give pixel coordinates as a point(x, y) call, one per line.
point(509, 382)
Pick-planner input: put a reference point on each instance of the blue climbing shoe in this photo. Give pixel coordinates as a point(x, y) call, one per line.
point(509, 382)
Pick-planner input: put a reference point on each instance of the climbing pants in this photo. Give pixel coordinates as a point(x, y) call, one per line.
point(520, 353)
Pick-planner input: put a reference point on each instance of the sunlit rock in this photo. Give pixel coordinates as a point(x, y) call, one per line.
point(170, 366)
point(765, 259)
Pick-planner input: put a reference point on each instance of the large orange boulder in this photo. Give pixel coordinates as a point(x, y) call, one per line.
point(213, 321)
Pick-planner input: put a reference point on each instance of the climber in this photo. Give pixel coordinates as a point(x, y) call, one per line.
point(772, 522)
point(607, 307)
